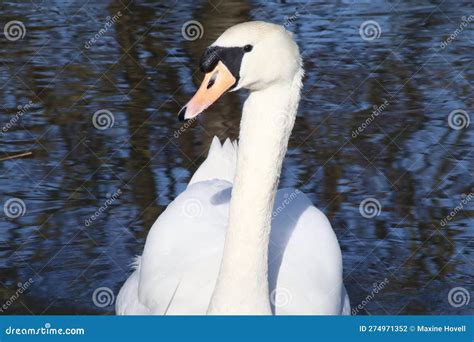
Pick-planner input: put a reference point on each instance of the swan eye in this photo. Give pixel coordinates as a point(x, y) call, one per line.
point(248, 48)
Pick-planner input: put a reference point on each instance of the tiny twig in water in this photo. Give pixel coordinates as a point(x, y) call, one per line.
point(16, 156)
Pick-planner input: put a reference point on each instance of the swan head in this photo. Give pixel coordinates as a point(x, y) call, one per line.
point(252, 55)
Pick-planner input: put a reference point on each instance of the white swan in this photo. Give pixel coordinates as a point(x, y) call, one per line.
point(242, 248)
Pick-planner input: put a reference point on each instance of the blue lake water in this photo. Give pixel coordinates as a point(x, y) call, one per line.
point(408, 156)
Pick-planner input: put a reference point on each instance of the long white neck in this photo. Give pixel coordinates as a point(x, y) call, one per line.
point(267, 120)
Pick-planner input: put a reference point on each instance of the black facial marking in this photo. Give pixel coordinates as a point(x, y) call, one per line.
point(230, 56)
point(209, 59)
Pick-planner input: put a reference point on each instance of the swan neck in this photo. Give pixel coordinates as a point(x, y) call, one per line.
point(267, 121)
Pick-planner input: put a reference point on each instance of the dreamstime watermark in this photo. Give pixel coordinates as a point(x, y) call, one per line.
point(370, 207)
point(464, 23)
point(279, 120)
point(376, 288)
point(14, 208)
point(192, 208)
point(290, 19)
point(110, 199)
point(459, 119)
point(15, 118)
point(14, 30)
point(103, 296)
point(22, 287)
point(192, 30)
point(465, 200)
point(280, 297)
point(103, 119)
point(370, 30)
point(377, 110)
point(47, 329)
point(177, 133)
point(110, 21)
point(458, 296)
point(288, 198)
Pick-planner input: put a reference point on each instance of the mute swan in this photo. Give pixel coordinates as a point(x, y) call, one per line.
point(231, 243)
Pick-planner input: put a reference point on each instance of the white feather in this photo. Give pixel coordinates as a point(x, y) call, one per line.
point(219, 164)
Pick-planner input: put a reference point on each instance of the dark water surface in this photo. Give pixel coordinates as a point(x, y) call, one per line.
point(408, 158)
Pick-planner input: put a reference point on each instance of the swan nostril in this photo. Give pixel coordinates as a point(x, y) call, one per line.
point(211, 83)
point(212, 80)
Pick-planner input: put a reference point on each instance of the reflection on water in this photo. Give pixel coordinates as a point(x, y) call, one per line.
point(91, 195)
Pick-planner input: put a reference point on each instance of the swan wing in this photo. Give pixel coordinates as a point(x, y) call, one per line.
point(181, 259)
point(127, 300)
point(305, 261)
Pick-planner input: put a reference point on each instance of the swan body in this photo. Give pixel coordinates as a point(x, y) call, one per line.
point(231, 243)
point(178, 270)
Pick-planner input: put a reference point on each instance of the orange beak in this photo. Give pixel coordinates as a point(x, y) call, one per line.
point(215, 83)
